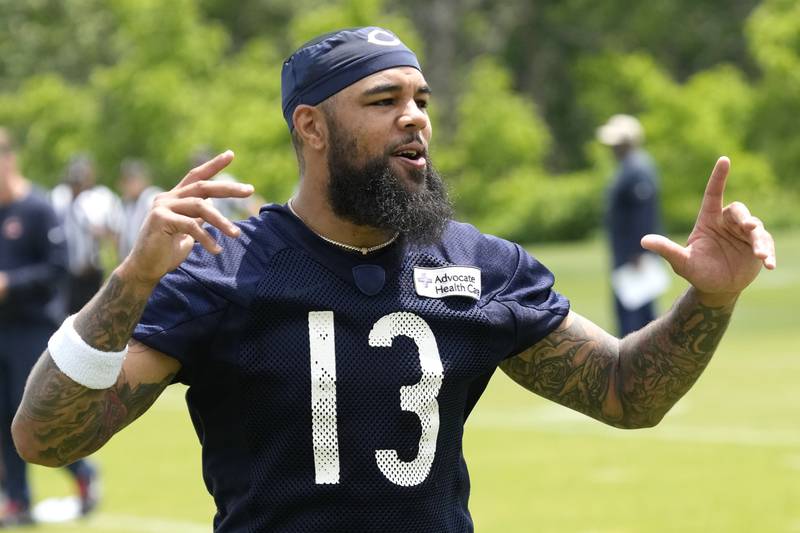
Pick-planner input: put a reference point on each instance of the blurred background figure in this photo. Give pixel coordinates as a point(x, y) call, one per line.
point(137, 193)
point(33, 268)
point(231, 208)
point(632, 212)
point(90, 213)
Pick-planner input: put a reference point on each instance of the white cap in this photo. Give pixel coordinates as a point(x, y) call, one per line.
point(621, 129)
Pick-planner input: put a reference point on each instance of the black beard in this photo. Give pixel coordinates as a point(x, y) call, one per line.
point(373, 195)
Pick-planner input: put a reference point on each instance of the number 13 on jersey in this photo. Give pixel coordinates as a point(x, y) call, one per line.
point(419, 399)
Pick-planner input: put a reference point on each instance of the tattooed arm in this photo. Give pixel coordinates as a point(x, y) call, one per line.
point(633, 382)
point(59, 420)
point(628, 383)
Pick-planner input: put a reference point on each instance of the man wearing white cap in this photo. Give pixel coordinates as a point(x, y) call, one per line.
point(632, 212)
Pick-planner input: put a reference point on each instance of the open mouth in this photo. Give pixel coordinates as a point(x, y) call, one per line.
point(413, 155)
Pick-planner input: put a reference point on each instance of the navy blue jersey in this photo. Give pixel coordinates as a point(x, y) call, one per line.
point(329, 389)
point(33, 254)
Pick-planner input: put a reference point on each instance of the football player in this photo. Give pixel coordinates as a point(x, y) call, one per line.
point(334, 346)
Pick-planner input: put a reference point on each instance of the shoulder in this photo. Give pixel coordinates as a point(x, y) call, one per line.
point(61, 195)
point(639, 165)
point(235, 272)
point(516, 289)
point(37, 203)
point(464, 241)
point(499, 260)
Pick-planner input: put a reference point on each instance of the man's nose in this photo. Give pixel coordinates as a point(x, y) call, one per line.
point(413, 117)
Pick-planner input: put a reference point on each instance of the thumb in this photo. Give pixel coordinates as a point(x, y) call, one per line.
point(674, 253)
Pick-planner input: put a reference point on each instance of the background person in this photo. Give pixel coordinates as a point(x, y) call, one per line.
point(632, 211)
point(33, 260)
point(335, 346)
point(137, 193)
point(90, 215)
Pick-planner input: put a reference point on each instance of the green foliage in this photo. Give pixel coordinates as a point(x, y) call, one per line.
point(331, 16)
point(156, 80)
point(170, 89)
point(153, 33)
point(52, 36)
point(240, 108)
point(544, 39)
point(54, 120)
point(774, 32)
point(689, 126)
point(495, 165)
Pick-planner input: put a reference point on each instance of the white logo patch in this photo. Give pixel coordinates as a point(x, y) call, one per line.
point(448, 281)
point(382, 38)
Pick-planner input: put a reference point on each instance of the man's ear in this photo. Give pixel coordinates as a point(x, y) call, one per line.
point(310, 125)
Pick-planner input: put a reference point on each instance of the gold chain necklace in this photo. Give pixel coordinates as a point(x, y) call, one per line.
point(350, 247)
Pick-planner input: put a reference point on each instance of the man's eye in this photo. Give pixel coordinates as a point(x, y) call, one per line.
point(385, 101)
point(422, 104)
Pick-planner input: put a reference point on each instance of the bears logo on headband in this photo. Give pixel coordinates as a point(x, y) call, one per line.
point(326, 65)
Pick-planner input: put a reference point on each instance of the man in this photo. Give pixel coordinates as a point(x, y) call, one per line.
point(137, 194)
point(33, 261)
point(632, 212)
point(335, 346)
point(88, 211)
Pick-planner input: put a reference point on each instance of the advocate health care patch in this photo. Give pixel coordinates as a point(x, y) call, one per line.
point(448, 281)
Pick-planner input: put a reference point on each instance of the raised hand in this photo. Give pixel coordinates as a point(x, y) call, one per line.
point(726, 248)
point(176, 219)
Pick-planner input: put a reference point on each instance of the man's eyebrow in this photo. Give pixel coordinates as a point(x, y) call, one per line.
point(393, 88)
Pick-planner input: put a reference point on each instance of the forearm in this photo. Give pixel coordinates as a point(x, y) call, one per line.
point(108, 320)
point(659, 363)
point(628, 383)
point(60, 420)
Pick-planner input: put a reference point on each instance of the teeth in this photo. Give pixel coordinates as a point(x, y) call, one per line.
point(408, 153)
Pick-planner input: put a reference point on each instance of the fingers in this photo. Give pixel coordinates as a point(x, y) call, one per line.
point(739, 221)
point(214, 189)
point(187, 216)
point(173, 223)
point(712, 199)
point(202, 211)
point(751, 230)
point(674, 253)
point(208, 169)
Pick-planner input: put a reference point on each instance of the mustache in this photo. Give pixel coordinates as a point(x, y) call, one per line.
point(408, 139)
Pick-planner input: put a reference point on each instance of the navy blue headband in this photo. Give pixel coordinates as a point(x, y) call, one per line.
point(328, 64)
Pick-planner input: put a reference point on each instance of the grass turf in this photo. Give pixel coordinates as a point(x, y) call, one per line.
point(726, 459)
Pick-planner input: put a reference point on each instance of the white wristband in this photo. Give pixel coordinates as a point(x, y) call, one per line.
point(84, 364)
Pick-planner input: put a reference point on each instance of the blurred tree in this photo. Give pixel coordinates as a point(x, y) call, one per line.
point(774, 31)
point(548, 37)
point(156, 80)
point(50, 36)
point(256, 19)
point(55, 121)
point(688, 125)
point(495, 165)
point(165, 53)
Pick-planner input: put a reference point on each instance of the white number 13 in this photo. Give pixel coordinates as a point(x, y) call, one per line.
point(419, 399)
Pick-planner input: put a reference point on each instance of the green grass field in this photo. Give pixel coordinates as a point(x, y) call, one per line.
point(726, 459)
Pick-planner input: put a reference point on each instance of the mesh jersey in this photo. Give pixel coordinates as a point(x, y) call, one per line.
point(321, 407)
